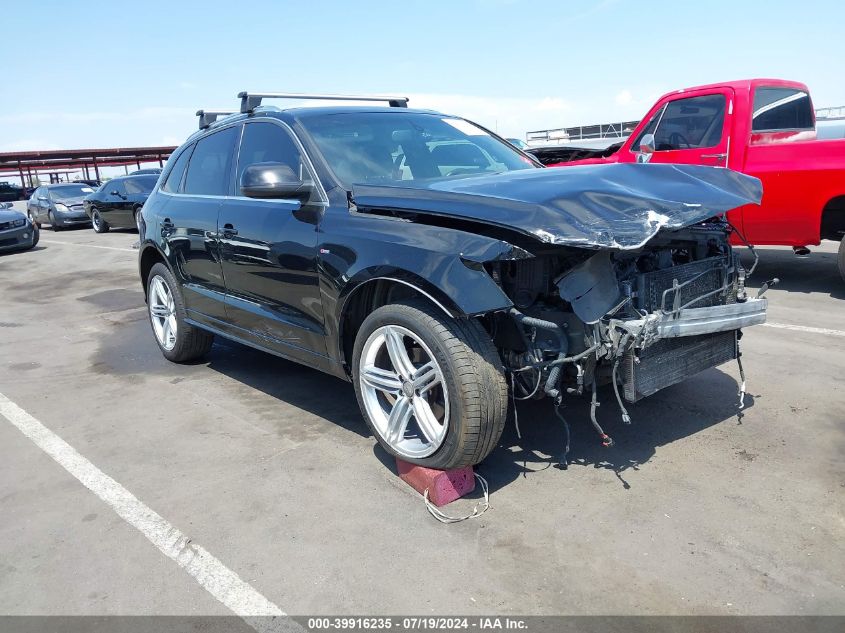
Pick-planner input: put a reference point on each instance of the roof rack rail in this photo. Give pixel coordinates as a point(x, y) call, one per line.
point(251, 100)
point(207, 117)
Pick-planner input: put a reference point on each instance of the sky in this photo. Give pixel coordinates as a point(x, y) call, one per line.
point(111, 74)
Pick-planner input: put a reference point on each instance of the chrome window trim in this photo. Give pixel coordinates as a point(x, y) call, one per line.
point(324, 201)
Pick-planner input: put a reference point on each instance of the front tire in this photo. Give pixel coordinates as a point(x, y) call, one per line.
point(178, 341)
point(55, 227)
point(36, 234)
point(430, 387)
point(98, 223)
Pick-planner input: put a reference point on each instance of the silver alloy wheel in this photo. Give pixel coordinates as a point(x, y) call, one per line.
point(95, 220)
point(403, 390)
point(163, 312)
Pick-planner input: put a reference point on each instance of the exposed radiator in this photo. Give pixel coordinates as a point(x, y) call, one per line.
point(673, 360)
point(650, 286)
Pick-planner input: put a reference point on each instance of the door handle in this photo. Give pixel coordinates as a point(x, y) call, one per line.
point(716, 156)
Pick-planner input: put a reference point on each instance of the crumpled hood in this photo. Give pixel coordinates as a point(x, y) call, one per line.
point(620, 205)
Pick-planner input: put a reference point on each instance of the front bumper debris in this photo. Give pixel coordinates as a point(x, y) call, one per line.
point(697, 321)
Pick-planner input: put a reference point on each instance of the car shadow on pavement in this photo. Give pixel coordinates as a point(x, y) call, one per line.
point(318, 393)
point(23, 250)
point(816, 273)
point(677, 412)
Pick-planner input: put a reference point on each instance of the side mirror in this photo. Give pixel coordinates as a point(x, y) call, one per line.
point(646, 148)
point(273, 181)
point(114, 193)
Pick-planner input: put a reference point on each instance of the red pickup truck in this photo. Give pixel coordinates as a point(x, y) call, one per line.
point(761, 127)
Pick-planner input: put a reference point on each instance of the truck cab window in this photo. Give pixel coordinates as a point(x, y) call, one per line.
point(777, 109)
point(693, 123)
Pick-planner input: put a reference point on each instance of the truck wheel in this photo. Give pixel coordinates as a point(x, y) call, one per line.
point(178, 341)
point(842, 258)
point(430, 387)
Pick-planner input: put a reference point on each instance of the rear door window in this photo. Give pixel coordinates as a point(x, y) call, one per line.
point(210, 166)
point(778, 109)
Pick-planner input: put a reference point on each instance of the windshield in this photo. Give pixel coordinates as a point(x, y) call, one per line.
point(383, 148)
point(70, 192)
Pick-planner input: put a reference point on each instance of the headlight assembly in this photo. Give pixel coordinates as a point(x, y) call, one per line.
point(18, 223)
point(61, 208)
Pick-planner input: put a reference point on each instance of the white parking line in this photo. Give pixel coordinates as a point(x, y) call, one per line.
point(211, 574)
point(805, 328)
point(108, 248)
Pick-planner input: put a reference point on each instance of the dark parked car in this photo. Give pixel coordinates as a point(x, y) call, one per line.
point(17, 232)
point(59, 205)
point(10, 192)
point(118, 202)
point(371, 244)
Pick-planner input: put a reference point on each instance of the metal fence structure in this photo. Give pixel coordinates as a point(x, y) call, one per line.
point(623, 129)
point(617, 130)
point(834, 113)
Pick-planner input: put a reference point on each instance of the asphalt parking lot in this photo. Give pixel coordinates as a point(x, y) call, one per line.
point(270, 468)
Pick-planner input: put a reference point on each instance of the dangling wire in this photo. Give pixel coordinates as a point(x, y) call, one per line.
point(606, 440)
point(513, 399)
point(741, 377)
point(564, 459)
point(480, 508)
point(626, 419)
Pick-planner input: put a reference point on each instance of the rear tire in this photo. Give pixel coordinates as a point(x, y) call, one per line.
point(179, 342)
point(842, 258)
point(136, 218)
point(98, 223)
point(453, 419)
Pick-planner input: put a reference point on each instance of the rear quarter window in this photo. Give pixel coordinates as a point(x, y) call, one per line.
point(778, 109)
point(174, 177)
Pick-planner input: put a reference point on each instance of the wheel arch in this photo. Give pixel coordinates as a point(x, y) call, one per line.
point(372, 292)
point(149, 257)
point(833, 219)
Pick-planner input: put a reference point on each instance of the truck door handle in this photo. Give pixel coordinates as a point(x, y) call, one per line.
point(716, 156)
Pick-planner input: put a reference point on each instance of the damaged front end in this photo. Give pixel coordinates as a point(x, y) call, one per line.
point(640, 319)
point(628, 276)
